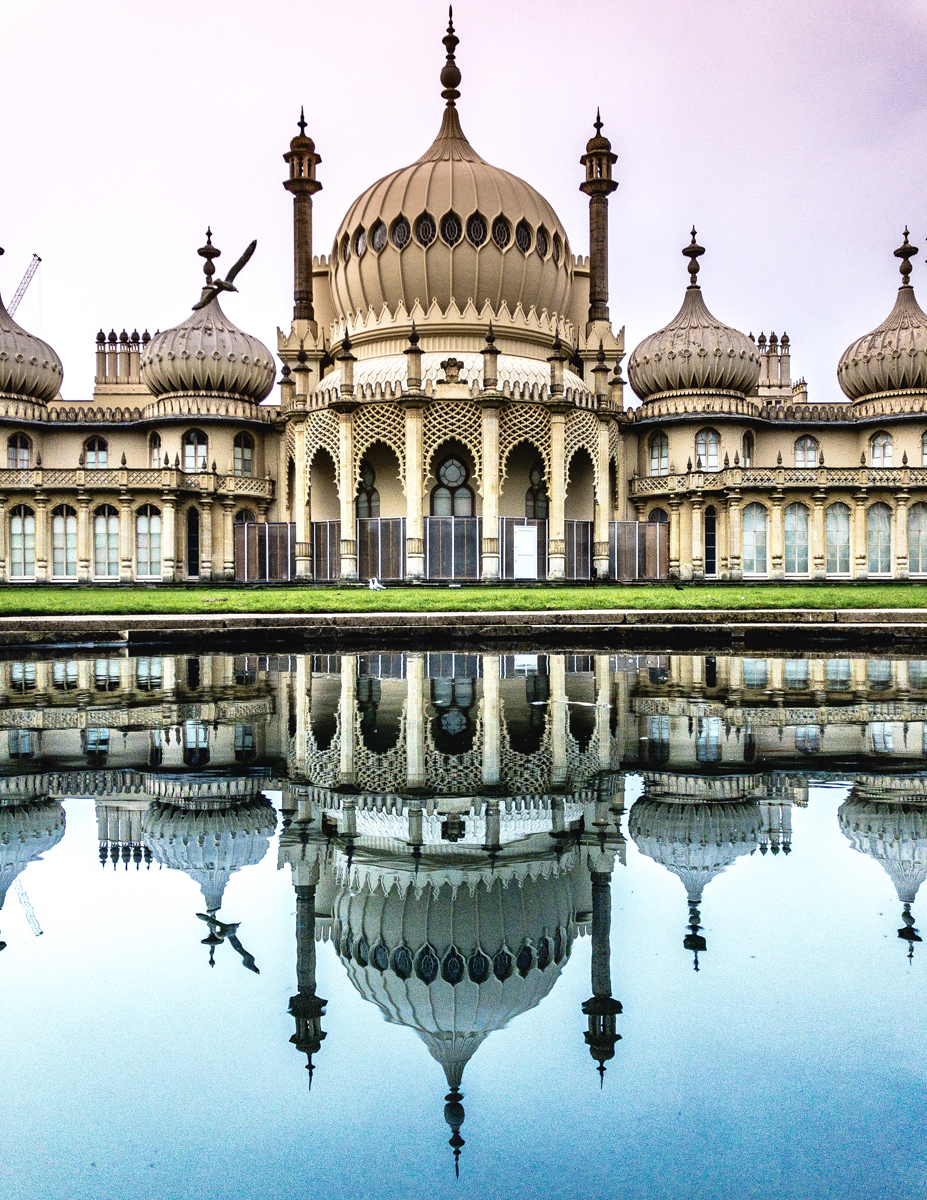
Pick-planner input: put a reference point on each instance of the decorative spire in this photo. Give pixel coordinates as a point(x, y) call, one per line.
point(906, 252)
point(693, 253)
point(907, 932)
point(212, 288)
point(209, 252)
point(302, 121)
point(693, 940)
point(454, 1115)
point(450, 73)
point(597, 123)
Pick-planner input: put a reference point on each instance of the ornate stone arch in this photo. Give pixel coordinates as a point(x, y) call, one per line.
point(453, 420)
point(385, 423)
point(582, 430)
point(322, 432)
point(524, 423)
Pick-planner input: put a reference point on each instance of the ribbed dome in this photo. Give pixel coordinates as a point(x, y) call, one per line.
point(27, 831)
point(29, 368)
point(695, 351)
point(209, 844)
point(207, 353)
point(451, 227)
point(894, 356)
point(895, 835)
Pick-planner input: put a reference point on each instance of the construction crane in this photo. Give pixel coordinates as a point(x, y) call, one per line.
point(23, 284)
point(27, 907)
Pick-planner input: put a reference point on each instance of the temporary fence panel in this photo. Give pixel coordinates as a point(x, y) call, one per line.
point(265, 551)
point(452, 547)
point(523, 546)
point(578, 549)
point(326, 550)
point(381, 543)
point(638, 550)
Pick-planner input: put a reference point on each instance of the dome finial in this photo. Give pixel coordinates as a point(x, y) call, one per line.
point(302, 120)
point(597, 123)
point(454, 1115)
point(693, 253)
point(905, 252)
point(450, 73)
point(208, 252)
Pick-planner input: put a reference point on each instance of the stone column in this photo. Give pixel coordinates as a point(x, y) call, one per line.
point(84, 543)
point(560, 722)
point(41, 538)
point(491, 471)
point(603, 688)
point(777, 537)
point(901, 535)
point(126, 541)
point(818, 537)
point(603, 505)
point(300, 501)
point(347, 710)
point(860, 545)
point(415, 487)
point(722, 540)
point(735, 536)
point(228, 537)
point(168, 539)
point(4, 530)
point(698, 538)
point(492, 721)
point(674, 536)
point(207, 572)
point(556, 546)
point(346, 489)
point(415, 721)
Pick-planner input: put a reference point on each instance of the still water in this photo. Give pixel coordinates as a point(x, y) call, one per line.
point(569, 925)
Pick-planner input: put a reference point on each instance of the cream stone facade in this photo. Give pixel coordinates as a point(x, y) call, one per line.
point(451, 407)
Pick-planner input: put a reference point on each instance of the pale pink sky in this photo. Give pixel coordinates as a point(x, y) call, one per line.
point(791, 134)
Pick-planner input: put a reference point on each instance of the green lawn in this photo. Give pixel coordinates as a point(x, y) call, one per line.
point(53, 601)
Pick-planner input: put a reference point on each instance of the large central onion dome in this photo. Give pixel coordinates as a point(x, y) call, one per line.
point(695, 351)
point(450, 228)
point(29, 368)
point(894, 356)
point(207, 353)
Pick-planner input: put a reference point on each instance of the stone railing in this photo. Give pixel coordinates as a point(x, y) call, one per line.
point(186, 407)
point(134, 479)
point(736, 478)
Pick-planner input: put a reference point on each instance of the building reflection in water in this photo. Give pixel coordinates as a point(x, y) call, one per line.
point(452, 821)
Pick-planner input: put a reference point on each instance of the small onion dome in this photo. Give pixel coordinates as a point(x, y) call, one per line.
point(894, 356)
point(27, 831)
point(695, 352)
point(207, 353)
point(29, 368)
point(695, 841)
point(209, 844)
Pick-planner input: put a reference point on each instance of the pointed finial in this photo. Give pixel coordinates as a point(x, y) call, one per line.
point(413, 336)
point(208, 252)
point(450, 72)
point(490, 336)
point(454, 1115)
point(302, 121)
point(905, 252)
point(597, 123)
point(693, 253)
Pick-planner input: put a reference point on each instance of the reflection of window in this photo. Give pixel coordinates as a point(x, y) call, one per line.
point(756, 672)
point(708, 739)
point(106, 674)
point(244, 743)
point(245, 670)
point(796, 674)
point(879, 673)
point(149, 674)
point(883, 738)
point(96, 744)
point(536, 502)
point(917, 674)
point(838, 674)
point(64, 676)
point(659, 454)
point(20, 743)
point(658, 734)
point(195, 744)
point(808, 739)
point(22, 677)
point(155, 749)
point(368, 498)
point(838, 540)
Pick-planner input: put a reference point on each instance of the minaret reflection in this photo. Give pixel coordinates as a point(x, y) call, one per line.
point(886, 818)
point(29, 828)
point(453, 870)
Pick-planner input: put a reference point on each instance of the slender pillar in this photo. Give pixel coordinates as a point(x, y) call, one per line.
point(41, 538)
point(492, 721)
point(415, 721)
point(777, 537)
point(299, 502)
point(228, 537)
point(598, 186)
point(860, 547)
point(4, 529)
point(603, 688)
point(560, 720)
point(698, 538)
point(306, 1007)
point(601, 1008)
point(347, 710)
point(556, 549)
point(675, 538)
point(735, 535)
point(901, 535)
point(346, 484)
point(603, 502)
point(491, 470)
point(206, 563)
point(168, 538)
point(415, 488)
point(302, 185)
point(818, 537)
point(126, 546)
point(84, 547)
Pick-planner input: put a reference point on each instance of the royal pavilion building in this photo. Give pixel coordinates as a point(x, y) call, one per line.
point(451, 406)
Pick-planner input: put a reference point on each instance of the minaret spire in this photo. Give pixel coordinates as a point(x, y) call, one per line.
point(306, 1007)
point(450, 72)
point(602, 1008)
point(905, 252)
point(598, 186)
point(302, 184)
point(454, 1115)
point(693, 253)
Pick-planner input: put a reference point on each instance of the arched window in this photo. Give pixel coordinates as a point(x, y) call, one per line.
point(879, 539)
point(711, 539)
point(22, 542)
point(18, 449)
point(796, 539)
point(64, 542)
point(95, 452)
point(96, 745)
point(806, 452)
point(659, 454)
point(838, 539)
point(880, 449)
point(106, 541)
point(193, 542)
point(154, 449)
point(658, 516)
point(195, 451)
point(537, 504)
point(367, 501)
point(747, 449)
point(707, 450)
point(755, 524)
point(924, 449)
point(245, 516)
point(244, 454)
point(917, 539)
point(195, 744)
point(452, 497)
point(148, 541)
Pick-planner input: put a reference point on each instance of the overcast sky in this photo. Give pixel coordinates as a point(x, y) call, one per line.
point(792, 135)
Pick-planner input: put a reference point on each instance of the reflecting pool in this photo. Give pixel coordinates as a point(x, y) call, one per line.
point(433, 925)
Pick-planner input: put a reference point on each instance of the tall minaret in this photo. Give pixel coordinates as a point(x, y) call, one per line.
point(601, 1008)
point(598, 186)
point(306, 1006)
point(302, 160)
